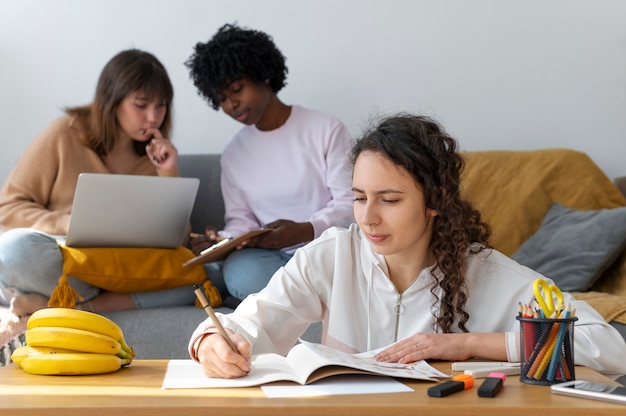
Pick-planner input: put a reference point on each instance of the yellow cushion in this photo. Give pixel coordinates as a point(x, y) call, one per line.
point(514, 189)
point(129, 270)
point(612, 307)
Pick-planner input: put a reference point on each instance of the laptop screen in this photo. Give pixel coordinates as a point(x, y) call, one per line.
point(111, 210)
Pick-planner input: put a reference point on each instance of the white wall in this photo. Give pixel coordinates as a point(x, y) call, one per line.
point(498, 74)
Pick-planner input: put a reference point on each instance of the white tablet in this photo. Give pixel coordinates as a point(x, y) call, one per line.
point(591, 390)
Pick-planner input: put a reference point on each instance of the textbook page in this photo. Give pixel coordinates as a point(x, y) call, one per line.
point(305, 363)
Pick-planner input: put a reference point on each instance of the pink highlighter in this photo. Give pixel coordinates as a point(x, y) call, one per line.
point(492, 385)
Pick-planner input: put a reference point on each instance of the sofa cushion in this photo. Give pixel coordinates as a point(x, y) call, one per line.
point(128, 270)
point(573, 248)
point(514, 189)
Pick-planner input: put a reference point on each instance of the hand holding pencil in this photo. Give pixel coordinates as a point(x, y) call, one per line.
point(221, 355)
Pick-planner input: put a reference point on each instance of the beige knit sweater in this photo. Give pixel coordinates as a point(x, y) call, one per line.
point(38, 193)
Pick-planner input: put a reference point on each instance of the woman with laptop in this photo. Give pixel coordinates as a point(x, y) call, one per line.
point(125, 130)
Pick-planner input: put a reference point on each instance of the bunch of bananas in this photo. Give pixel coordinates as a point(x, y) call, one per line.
point(62, 341)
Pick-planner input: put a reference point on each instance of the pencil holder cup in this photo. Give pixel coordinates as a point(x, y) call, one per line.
point(546, 350)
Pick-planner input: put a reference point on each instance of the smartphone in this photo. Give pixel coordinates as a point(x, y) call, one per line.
point(591, 390)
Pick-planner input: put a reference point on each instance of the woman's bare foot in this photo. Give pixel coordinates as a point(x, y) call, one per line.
point(28, 303)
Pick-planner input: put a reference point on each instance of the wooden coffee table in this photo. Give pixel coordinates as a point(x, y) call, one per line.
point(136, 391)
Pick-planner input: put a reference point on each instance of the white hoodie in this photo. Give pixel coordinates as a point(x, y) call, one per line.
point(340, 280)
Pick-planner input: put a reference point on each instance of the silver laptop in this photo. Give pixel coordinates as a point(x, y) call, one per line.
point(111, 210)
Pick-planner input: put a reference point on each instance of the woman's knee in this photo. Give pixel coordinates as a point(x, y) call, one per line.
point(27, 256)
point(249, 270)
point(247, 262)
point(21, 245)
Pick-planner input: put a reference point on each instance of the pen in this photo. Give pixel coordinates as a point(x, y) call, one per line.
point(209, 310)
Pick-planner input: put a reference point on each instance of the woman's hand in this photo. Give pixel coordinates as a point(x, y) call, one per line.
point(449, 347)
point(161, 151)
point(285, 233)
point(204, 241)
point(219, 360)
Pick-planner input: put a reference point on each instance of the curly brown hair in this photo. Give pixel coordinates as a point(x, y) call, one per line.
point(420, 145)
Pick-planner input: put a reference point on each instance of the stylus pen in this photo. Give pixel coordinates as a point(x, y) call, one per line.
point(209, 310)
point(196, 235)
point(216, 245)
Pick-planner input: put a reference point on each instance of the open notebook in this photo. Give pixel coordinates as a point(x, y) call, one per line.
point(111, 210)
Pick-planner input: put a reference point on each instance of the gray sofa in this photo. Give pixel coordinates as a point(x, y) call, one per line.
point(163, 333)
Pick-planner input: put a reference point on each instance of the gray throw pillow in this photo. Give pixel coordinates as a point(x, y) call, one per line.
point(573, 248)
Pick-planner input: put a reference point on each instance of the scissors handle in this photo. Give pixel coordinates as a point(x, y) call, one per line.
point(545, 295)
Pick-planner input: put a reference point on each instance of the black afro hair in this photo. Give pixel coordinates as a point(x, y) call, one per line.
point(232, 54)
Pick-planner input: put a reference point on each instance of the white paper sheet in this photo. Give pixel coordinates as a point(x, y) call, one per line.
point(337, 385)
point(183, 374)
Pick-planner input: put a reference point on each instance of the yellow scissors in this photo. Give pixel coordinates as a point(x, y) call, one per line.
point(546, 299)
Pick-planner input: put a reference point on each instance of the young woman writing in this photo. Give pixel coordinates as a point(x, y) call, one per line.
point(416, 272)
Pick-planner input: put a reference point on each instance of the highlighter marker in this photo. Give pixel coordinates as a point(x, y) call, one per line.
point(458, 383)
point(492, 385)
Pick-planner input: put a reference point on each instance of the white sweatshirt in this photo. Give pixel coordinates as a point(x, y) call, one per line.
point(299, 171)
point(341, 281)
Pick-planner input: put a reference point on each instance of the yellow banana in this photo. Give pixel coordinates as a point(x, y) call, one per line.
point(72, 339)
point(20, 353)
point(74, 318)
point(72, 364)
